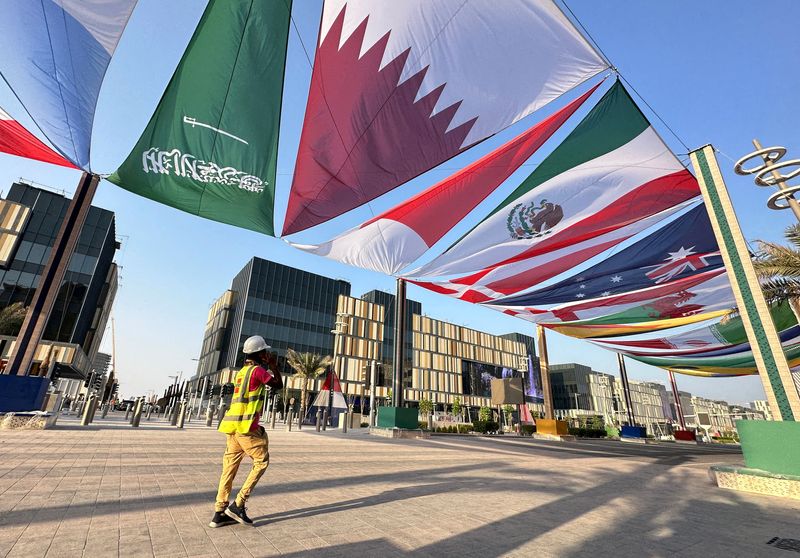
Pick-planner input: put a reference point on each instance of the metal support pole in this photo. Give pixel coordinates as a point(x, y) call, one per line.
point(319, 419)
point(149, 410)
point(273, 416)
point(677, 396)
point(44, 298)
point(344, 423)
point(399, 343)
point(128, 409)
point(87, 409)
point(626, 389)
point(182, 414)
point(325, 418)
point(289, 421)
point(104, 412)
point(780, 181)
point(761, 332)
point(373, 377)
point(93, 409)
point(210, 415)
point(545, 370)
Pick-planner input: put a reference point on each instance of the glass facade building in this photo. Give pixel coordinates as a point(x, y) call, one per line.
point(87, 291)
point(288, 307)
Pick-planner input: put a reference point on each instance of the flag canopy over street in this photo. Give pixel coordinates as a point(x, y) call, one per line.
point(606, 239)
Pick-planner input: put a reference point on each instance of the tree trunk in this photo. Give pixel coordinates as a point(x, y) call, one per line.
point(303, 397)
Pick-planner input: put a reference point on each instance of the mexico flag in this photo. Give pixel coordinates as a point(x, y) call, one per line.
point(611, 171)
point(16, 140)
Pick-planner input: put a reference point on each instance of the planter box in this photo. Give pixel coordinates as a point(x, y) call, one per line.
point(398, 417)
point(552, 427)
point(684, 436)
point(772, 446)
point(22, 393)
point(633, 432)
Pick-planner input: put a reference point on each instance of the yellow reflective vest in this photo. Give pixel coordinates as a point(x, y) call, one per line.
point(244, 405)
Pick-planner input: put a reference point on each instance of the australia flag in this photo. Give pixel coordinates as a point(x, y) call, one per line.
point(682, 248)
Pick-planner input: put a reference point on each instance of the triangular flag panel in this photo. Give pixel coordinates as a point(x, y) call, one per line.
point(54, 57)
point(16, 140)
point(721, 336)
point(397, 237)
point(399, 87)
point(612, 170)
point(497, 282)
point(211, 147)
point(682, 248)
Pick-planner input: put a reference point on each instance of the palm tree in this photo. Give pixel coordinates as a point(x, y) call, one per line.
point(306, 366)
point(778, 267)
point(11, 318)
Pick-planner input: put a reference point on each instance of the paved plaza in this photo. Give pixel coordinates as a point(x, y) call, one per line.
point(111, 490)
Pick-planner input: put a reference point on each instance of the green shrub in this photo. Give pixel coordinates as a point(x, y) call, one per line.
point(484, 414)
point(423, 425)
point(484, 426)
point(587, 432)
point(527, 429)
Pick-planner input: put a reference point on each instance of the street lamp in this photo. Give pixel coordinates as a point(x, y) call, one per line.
point(771, 173)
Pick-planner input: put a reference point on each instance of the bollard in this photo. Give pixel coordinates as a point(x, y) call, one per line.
point(128, 410)
point(319, 419)
point(344, 424)
point(93, 409)
point(173, 421)
point(137, 413)
point(289, 422)
point(325, 420)
point(104, 412)
point(86, 410)
point(272, 419)
point(149, 411)
point(210, 415)
point(182, 415)
point(221, 415)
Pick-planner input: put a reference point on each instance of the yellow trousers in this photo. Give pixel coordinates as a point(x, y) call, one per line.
point(254, 445)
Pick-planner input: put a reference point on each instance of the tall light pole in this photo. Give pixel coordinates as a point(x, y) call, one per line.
point(773, 172)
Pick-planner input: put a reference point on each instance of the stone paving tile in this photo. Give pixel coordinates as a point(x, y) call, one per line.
point(110, 490)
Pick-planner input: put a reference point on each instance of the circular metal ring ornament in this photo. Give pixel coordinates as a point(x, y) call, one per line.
point(763, 180)
point(773, 154)
point(782, 196)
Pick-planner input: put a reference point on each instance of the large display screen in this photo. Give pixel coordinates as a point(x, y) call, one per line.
point(477, 378)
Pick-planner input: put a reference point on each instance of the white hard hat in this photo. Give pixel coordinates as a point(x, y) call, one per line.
point(254, 344)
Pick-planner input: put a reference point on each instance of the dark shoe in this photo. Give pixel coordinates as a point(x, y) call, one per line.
point(238, 514)
point(221, 520)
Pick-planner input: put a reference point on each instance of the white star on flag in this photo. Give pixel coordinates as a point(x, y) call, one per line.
point(616, 279)
point(605, 293)
point(580, 295)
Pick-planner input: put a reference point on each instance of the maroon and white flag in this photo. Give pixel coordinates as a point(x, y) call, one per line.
point(399, 87)
point(397, 237)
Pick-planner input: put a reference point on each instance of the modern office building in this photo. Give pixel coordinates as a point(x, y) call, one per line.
point(762, 406)
point(298, 309)
point(30, 218)
point(579, 390)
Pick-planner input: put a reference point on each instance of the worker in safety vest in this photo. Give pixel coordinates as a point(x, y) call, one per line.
point(244, 434)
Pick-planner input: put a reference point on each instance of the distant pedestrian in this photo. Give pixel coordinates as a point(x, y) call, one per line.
point(244, 434)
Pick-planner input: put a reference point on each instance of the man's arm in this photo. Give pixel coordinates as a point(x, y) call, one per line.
point(276, 382)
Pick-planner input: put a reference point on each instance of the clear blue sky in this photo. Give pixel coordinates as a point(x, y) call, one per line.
point(718, 72)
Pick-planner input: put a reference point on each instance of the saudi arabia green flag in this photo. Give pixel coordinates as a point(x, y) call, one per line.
point(211, 146)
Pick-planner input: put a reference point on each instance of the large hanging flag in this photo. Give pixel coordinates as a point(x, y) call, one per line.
point(682, 248)
point(681, 302)
point(399, 87)
point(211, 147)
point(16, 140)
point(611, 171)
point(727, 332)
point(55, 55)
point(397, 237)
point(497, 282)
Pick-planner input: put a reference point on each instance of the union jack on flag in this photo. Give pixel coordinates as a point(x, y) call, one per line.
point(684, 259)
